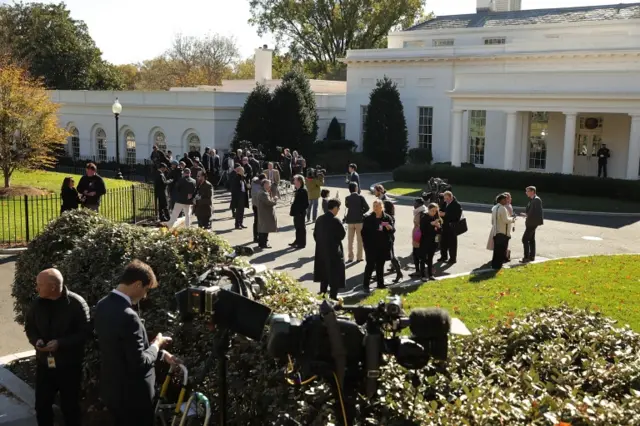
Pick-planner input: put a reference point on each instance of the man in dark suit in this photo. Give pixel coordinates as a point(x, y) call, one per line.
point(299, 211)
point(451, 214)
point(160, 188)
point(127, 375)
point(534, 218)
point(603, 156)
point(239, 197)
point(353, 175)
point(328, 267)
point(57, 326)
point(204, 201)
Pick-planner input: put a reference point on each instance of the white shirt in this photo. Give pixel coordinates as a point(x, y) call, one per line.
point(121, 294)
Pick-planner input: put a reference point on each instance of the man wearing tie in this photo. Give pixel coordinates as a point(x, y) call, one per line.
point(127, 375)
point(274, 177)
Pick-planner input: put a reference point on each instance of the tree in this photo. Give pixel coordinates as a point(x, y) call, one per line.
point(29, 131)
point(130, 76)
point(55, 47)
point(253, 123)
point(334, 132)
point(297, 77)
point(386, 137)
point(291, 124)
point(325, 30)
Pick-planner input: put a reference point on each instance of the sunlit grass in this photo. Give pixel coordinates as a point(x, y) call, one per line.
point(607, 284)
point(52, 181)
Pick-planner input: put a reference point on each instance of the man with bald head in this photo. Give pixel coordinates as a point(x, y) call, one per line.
point(57, 325)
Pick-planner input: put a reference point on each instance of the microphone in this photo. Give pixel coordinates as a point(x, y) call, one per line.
point(429, 323)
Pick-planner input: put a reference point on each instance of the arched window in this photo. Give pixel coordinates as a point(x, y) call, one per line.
point(101, 144)
point(131, 147)
point(194, 143)
point(74, 143)
point(160, 141)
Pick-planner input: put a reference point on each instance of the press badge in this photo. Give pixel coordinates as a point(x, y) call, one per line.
point(51, 361)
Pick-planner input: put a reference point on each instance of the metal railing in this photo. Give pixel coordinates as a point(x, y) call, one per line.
point(24, 218)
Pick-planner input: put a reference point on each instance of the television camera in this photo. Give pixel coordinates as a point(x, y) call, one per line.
point(349, 353)
point(225, 295)
point(435, 187)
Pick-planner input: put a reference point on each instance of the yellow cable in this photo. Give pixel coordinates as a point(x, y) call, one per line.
point(290, 369)
point(344, 412)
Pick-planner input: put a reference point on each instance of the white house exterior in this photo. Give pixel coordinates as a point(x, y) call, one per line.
point(176, 120)
point(518, 90)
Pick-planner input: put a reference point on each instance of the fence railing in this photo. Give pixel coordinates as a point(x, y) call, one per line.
point(23, 218)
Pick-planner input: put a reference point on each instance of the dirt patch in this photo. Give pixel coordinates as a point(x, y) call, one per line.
point(20, 191)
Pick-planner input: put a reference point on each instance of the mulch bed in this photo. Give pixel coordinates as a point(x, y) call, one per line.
point(20, 191)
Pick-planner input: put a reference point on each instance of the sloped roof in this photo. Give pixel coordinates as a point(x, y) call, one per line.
point(535, 16)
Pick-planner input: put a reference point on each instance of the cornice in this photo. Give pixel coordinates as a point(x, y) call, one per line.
point(615, 96)
point(477, 58)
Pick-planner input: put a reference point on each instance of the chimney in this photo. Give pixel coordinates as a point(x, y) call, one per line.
point(483, 5)
point(263, 62)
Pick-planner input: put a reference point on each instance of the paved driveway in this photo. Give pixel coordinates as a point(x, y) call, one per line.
point(561, 235)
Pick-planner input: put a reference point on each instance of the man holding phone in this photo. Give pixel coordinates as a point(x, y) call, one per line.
point(57, 325)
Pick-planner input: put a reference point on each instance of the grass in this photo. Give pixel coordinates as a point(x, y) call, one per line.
point(39, 210)
point(52, 181)
point(607, 284)
point(476, 194)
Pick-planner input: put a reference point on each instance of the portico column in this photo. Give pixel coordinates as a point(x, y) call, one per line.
point(633, 156)
point(510, 141)
point(456, 138)
point(569, 142)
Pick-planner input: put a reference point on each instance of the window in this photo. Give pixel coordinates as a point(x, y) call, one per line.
point(101, 145)
point(538, 130)
point(477, 126)
point(443, 42)
point(343, 130)
point(363, 121)
point(495, 40)
point(159, 140)
point(131, 147)
point(425, 127)
point(74, 143)
point(415, 43)
point(194, 143)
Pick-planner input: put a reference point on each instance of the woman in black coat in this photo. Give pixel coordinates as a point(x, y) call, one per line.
point(390, 209)
point(377, 234)
point(430, 228)
point(69, 195)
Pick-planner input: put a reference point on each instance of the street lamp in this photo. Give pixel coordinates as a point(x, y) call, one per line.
point(116, 108)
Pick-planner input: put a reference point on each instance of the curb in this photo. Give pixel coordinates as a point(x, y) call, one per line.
point(489, 206)
point(13, 383)
point(11, 252)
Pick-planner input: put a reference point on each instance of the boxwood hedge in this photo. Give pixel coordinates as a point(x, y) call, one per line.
point(552, 366)
point(546, 182)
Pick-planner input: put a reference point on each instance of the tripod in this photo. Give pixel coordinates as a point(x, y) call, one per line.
point(221, 344)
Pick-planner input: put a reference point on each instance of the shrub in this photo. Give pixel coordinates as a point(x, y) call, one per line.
point(420, 156)
point(334, 132)
point(48, 250)
point(386, 136)
point(334, 145)
point(511, 180)
point(292, 124)
point(253, 123)
point(338, 161)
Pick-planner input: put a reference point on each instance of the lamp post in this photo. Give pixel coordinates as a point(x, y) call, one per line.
point(116, 108)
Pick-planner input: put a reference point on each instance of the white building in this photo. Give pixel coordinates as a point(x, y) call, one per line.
point(514, 89)
point(176, 120)
point(501, 88)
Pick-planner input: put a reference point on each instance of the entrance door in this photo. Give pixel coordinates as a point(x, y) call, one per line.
point(587, 146)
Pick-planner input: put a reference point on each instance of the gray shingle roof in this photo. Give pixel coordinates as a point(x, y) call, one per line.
point(535, 16)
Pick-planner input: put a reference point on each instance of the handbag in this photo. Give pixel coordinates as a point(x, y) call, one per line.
point(417, 235)
point(460, 226)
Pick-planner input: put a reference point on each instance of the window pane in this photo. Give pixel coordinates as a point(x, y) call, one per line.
point(131, 148)
point(538, 132)
point(425, 128)
point(477, 127)
point(160, 141)
point(101, 145)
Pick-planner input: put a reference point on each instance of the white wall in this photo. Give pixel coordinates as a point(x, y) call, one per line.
point(210, 115)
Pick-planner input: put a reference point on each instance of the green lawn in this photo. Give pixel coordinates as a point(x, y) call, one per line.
point(608, 284)
point(52, 181)
point(118, 204)
point(476, 194)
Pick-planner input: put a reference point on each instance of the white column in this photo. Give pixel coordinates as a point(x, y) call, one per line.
point(510, 141)
point(569, 142)
point(633, 156)
point(456, 138)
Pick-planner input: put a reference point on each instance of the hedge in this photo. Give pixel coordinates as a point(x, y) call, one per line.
point(511, 180)
point(552, 366)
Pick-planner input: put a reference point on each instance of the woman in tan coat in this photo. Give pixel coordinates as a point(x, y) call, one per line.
point(267, 214)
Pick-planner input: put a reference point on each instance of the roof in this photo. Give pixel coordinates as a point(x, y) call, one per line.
point(614, 12)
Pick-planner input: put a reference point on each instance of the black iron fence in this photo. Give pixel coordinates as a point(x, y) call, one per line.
point(23, 218)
